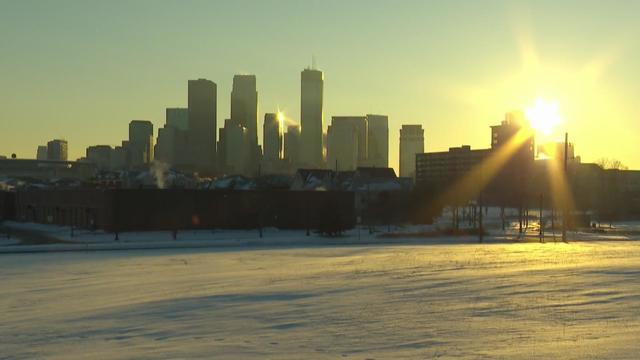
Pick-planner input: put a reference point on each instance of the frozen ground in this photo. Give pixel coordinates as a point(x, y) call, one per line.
point(30, 237)
point(474, 301)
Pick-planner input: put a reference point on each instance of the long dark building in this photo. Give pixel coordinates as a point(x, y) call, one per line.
point(441, 169)
point(512, 153)
point(118, 210)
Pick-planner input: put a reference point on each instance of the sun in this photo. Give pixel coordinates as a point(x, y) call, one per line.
point(544, 116)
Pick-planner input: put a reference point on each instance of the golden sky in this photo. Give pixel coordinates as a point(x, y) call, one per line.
point(81, 70)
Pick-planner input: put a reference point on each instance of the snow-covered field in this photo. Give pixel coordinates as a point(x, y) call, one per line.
point(476, 301)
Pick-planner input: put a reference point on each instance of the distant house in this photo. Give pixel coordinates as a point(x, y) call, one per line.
point(363, 179)
point(313, 179)
point(239, 182)
point(375, 179)
point(378, 191)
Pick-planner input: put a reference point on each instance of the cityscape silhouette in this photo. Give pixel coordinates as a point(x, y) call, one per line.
point(319, 179)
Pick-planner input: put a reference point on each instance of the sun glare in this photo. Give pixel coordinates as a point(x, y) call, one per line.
point(544, 116)
point(280, 117)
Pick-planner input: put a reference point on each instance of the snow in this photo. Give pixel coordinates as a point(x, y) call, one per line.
point(473, 301)
point(62, 239)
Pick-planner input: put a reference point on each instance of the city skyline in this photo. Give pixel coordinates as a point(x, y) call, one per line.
point(87, 95)
point(319, 179)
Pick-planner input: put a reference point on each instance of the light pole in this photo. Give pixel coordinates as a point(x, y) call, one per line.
point(566, 177)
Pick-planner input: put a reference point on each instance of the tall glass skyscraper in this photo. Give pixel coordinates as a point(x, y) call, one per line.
point(244, 111)
point(311, 98)
point(202, 124)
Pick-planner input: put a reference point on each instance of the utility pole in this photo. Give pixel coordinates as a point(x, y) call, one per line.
point(540, 220)
point(480, 227)
point(565, 196)
point(480, 205)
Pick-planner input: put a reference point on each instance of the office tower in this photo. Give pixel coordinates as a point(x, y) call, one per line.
point(140, 143)
point(311, 93)
point(514, 124)
point(324, 144)
point(342, 146)
point(272, 136)
point(57, 150)
point(177, 118)
point(221, 160)
point(42, 153)
point(512, 143)
point(172, 146)
point(340, 142)
point(244, 111)
point(411, 143)
point(100, 155)
point(378, 140)
point(120, 156)
point(165, 145)
point(202, 125)
point(236, 138)
point(292, 145)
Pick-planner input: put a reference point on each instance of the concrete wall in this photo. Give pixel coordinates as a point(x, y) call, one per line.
point(7, 205)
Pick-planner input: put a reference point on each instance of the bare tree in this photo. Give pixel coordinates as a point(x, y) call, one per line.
point(607, 163)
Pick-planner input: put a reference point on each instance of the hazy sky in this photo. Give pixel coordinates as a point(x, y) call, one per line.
point(81, 70)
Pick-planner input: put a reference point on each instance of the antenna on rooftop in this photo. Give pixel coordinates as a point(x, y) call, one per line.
point(313, 62)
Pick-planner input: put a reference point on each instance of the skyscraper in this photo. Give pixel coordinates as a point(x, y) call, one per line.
point(57, 150)
point(292, 145)
point(235, 148)
point(202, 124)
point(221, 159)
point(244, 111)
point(378, 140)
point(42, 152)
point(172, 146)
point(140, 142)
point(120, 156)
point(514, 140)
point(100, 155)
point(411, 143)
point(272, 137)
point(178, 118)
point(342, 145)
point(514, 123)
point(350, 152)
point(311, 98)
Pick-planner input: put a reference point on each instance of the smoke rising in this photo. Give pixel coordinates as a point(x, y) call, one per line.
point(158, 170)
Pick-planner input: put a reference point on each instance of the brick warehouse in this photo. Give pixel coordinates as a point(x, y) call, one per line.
point(151, 209)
